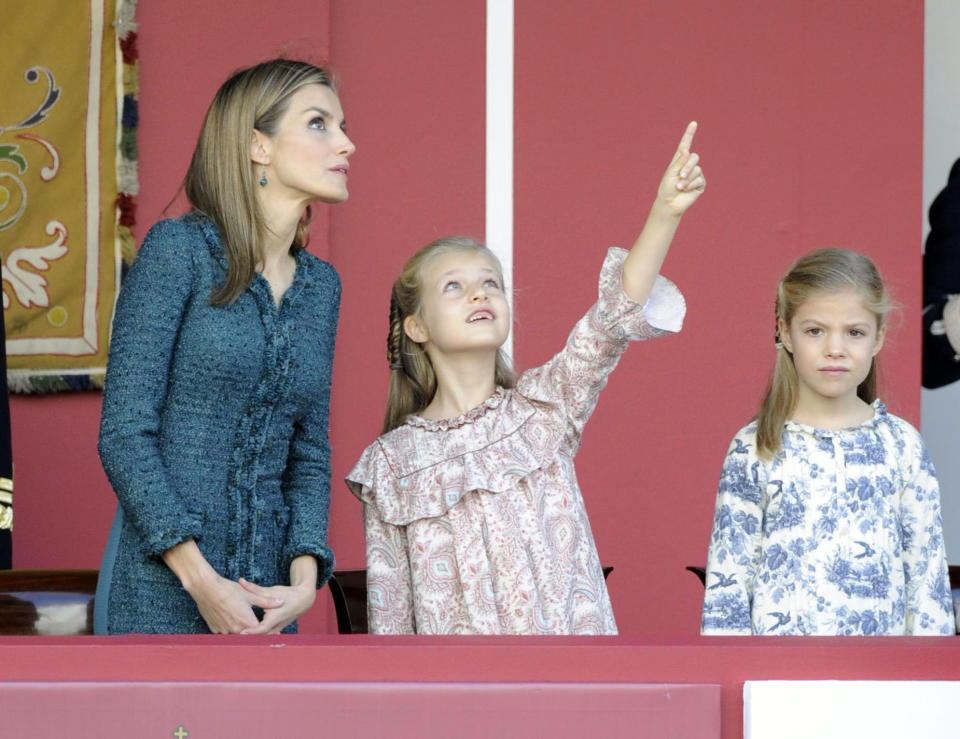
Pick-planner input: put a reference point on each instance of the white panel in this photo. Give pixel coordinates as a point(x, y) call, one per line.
point(499, 140)
point(833, 709)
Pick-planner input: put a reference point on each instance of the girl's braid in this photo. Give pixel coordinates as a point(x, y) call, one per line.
point(395, 335)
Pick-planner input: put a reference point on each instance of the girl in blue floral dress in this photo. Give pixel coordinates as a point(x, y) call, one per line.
point(827, 519)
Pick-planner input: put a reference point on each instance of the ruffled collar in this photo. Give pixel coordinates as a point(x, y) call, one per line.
point(411, 473)
point(471, 416)
point(879, 415)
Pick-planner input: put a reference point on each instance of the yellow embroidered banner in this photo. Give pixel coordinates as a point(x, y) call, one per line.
point(66, 138)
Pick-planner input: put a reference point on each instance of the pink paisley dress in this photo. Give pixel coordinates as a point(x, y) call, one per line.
point(476, 524)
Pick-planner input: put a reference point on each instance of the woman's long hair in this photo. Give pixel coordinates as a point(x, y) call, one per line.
point(820, 271)
point(413, 382)
point(221, 182)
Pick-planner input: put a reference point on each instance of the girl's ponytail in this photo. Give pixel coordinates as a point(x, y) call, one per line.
point(412, 380)
point(778, 403)
point(396, 331)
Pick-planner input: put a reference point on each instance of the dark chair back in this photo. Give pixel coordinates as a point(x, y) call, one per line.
point(700, 572)
point(47, 602)
point(954, 571)
point(348, 588)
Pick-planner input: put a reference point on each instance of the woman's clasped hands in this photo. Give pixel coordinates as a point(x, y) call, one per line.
point(227, 606)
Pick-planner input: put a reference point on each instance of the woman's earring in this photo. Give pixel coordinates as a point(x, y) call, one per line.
point(263, 177)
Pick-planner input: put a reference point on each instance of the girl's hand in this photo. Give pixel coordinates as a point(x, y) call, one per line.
point(227, 607)
point(683, 181)
point(681, 185)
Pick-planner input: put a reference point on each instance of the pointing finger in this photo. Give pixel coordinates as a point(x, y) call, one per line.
point(687, 139)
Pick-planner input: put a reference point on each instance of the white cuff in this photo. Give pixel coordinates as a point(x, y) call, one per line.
point(665, 306)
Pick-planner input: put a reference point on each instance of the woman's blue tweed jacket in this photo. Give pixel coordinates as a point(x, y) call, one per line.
point(214, 426)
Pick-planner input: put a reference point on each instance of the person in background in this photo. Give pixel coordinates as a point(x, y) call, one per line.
point(6, 464)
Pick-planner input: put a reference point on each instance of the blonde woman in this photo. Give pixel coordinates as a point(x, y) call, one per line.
point(214, 426)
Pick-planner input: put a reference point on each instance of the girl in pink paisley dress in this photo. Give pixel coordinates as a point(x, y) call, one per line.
point(473, 518)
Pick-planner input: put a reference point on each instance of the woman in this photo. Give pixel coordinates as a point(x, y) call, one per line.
point(214, 426)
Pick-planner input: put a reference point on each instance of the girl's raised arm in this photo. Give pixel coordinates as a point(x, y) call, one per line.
point(681, 185)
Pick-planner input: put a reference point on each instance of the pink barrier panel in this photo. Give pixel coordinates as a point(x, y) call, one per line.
point(291, 710)
point(399, 660)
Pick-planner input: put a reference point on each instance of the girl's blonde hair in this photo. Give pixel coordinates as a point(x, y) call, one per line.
point(413, 382)
point(823, 270)
point(221, 182)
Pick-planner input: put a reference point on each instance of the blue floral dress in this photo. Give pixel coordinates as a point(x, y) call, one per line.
point(839, 534)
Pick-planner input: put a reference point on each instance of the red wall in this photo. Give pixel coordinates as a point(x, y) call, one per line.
point(810, 134)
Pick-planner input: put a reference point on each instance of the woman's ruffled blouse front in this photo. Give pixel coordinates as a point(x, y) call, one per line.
point(476, 524)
